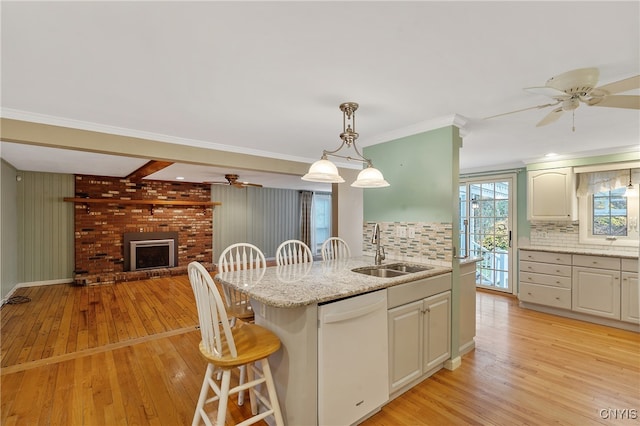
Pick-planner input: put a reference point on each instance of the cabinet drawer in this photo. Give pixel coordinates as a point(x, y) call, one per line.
point(543, 279)
point(546, 257)
point(630, 265)
point(545, 295)
point(601, 262)
point(545, 268)
point(415, 290)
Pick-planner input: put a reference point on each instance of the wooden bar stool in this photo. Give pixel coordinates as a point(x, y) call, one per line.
point(225, 348)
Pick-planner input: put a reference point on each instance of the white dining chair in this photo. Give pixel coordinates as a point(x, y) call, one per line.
point(292, 252)
point(335, 248)
point(250, 260)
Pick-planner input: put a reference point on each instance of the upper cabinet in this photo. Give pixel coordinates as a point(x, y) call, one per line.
point(551, 195)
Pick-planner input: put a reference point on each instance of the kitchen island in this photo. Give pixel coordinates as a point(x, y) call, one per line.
point(287, 300)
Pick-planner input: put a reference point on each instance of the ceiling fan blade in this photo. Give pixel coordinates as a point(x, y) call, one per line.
point(523, 109)
point(257, 185)
point(617, 86)
point(551, 117)
point(617, 101)
point(547, 91)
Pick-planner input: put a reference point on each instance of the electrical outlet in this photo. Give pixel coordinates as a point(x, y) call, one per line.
point(402, 232)
point(412, 232)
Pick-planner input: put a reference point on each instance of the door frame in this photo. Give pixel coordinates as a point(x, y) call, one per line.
point(512, 176)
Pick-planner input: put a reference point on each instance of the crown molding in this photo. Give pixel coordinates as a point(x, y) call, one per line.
point(424, 126)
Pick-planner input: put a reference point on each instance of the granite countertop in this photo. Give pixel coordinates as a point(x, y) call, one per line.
point(586, 251)
point(290, 286)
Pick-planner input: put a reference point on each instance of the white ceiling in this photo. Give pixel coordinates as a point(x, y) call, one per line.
point(266, 78)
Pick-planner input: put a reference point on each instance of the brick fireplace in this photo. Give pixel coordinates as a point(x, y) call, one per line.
point(111, 211)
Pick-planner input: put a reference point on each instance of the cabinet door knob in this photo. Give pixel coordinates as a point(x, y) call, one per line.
point(529, 293)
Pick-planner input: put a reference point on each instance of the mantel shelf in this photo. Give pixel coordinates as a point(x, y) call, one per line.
point(142, 202)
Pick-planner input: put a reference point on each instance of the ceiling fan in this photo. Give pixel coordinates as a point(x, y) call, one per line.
point(571, 88)
point(232, 180)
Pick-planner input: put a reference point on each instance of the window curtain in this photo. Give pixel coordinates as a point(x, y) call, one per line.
point(306, 218)
point(594, 182)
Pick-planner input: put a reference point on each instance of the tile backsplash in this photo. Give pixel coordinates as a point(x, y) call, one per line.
point(412, 241)
point(566, 235)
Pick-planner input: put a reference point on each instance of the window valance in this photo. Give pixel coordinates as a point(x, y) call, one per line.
point(594, 182)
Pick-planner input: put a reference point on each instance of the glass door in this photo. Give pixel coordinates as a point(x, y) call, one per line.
point(487, 219)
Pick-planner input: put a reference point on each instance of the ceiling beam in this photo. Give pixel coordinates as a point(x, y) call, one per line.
point(147, 169)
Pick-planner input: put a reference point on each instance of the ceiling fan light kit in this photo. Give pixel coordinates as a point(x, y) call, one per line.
point(325, 171)
point(571, 88)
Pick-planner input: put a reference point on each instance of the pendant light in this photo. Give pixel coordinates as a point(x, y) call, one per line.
point(325, 171)
point(631, 189)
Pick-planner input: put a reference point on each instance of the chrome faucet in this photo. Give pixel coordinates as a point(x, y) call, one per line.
point(375, 239)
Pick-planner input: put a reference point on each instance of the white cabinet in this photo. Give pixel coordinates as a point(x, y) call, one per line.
point(419, 320)
point(419, 338)
point(545, 278)
point(630, 309)
point(551, 195)
point(405, 339)
point(436, 326)
point(596, 286)
point(467, 307)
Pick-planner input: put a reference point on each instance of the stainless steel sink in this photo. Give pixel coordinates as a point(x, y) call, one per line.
point(379, 272)
point(404, 267)
point(391, 270)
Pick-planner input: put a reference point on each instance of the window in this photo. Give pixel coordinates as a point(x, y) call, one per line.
point(607, 215)
point(609, 212)
point(321, 220)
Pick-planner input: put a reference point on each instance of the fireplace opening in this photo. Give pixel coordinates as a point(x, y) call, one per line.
point(150, 250)
point(150, 254)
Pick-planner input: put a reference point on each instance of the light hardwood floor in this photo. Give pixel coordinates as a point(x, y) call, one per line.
point(126, 354)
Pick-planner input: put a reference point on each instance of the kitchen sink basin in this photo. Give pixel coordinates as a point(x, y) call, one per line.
point(391, 270)
point(379, 272)
point(409, 269)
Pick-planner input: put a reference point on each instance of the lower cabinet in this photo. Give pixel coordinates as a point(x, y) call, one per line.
point(419, 338)
point(602, 286)
point(630, 309)
point(596, 292)
point(596, 286)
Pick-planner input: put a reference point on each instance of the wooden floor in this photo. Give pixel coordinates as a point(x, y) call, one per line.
point(126, 354)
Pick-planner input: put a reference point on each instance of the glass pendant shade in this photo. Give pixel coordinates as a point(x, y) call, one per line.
point(370, 178)
point(631, 191)
point(323, 171)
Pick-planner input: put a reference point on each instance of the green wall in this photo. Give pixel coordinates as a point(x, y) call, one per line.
point(421, 170)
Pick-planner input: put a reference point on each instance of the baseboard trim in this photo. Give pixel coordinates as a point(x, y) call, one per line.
point(46, 282)
point(453, 363)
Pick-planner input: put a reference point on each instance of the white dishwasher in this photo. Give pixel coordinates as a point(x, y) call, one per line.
point(353, 378)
